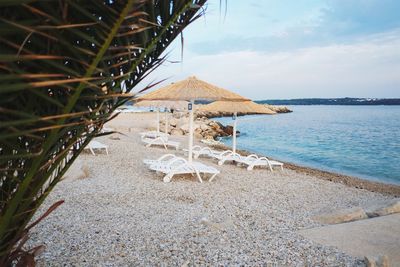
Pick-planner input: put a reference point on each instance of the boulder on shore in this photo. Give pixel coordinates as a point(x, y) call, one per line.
point(173, 122)
point(278, 109)
point(176, 131)
point(381, 261)
point(203, 127)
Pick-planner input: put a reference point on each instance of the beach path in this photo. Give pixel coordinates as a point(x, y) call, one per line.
point(371, 237)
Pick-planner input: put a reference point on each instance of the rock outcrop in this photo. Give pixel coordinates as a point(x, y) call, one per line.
point(342, 216)
point(216, 114)
point(381, 261)
point(278, 109)
point(389, 207)
point(203, 127)
point(358, 213)
point(206, 128)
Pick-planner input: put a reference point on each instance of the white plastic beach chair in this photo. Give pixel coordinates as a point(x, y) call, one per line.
point(153, 134)
point(180, 165)
point(253, 160)
point(167, 158)
point(202, 151)
point(206, 151)
point(156, 165)
point(160, 141)
point(95, 145)
point(227, 155)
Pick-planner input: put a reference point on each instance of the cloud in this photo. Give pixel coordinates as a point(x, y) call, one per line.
point(307, 24)
point(361, 16)
point(304, 48)
point(367, 68)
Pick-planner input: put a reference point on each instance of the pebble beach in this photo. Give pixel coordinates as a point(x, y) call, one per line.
point(122, 214)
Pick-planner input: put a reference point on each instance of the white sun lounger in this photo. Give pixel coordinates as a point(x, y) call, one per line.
point(206, 151)
point(153, 134)
point(227, 155)
point(95, 145)
point(160, 141)
point(179, 165)
point(253, 161)
point(167, 158)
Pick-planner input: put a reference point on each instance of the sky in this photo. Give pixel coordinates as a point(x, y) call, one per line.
point(284, 49)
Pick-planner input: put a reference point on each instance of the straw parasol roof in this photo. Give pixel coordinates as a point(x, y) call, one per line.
point(245, 107)
point(192, 89)
point(163, 104)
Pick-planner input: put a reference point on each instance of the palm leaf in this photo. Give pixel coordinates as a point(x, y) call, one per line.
point(65, 67)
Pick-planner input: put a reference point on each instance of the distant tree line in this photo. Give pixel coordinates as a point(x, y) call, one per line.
point(333, 101)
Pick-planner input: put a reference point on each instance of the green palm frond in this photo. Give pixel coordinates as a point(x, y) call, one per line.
point(65, 66)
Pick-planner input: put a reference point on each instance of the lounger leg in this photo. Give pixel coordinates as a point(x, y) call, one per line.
point(281, 167)
point(212, 177)
point(168, 177)
point(270, 167)
point(198, 176)
point(91, 150)
point(250, 167)
point(107, 151)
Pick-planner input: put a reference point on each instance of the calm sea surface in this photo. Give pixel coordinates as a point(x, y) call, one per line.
point(362, 141)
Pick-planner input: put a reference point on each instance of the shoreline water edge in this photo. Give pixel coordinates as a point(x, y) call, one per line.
point(116, 208)
point(207, 124)
point(352, 181)
point(358, 141)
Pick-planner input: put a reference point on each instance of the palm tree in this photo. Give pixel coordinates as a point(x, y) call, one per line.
point(65, 67)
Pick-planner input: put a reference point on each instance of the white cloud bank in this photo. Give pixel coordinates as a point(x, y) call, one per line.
point(369, 68)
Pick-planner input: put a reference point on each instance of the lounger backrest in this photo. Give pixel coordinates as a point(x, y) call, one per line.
point(252, 156)
point(176, 160)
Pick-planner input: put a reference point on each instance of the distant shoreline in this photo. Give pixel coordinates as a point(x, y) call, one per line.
point(334, 101)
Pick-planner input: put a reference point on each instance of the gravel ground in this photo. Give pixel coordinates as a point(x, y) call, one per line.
point(124, 215)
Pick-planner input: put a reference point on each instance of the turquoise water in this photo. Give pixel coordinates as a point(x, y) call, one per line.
point(362, 141)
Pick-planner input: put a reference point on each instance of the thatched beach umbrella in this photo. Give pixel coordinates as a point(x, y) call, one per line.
point(246, 107)
point(192, 89)
point(162, 104)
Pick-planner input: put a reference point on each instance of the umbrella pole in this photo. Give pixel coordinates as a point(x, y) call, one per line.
point(234, 132)
point(166, 121)
point(191, 130)
point(158, 120)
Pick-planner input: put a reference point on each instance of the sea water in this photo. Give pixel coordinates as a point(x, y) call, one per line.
point(362, 141)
